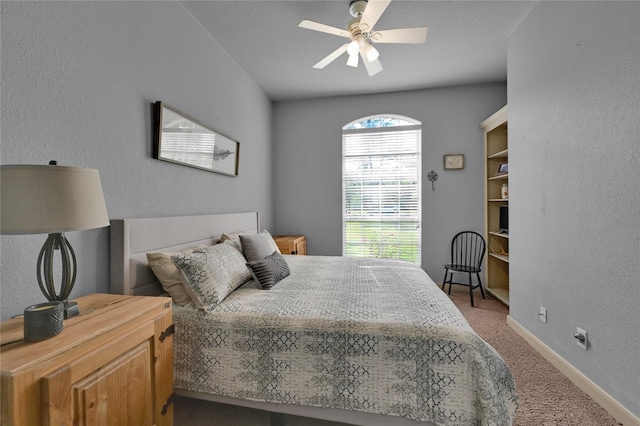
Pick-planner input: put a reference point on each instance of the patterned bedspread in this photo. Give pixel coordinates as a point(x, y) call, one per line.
point(359, 334)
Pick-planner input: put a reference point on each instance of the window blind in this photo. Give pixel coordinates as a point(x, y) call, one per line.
point(381, 192)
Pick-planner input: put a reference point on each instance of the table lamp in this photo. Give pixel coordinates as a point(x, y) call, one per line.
point(38, 199)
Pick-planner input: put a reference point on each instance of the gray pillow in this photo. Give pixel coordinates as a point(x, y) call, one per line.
point(255, 247)
point(270, 270)
point(212, 273)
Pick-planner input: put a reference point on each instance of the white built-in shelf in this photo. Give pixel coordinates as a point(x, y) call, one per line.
point(499, 234)
point(502, 294)
point(496, 154)
point(501, 154)
point(504, 176)
point(503, 257)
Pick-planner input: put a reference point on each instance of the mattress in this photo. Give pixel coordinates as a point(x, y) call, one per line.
point(369, 335)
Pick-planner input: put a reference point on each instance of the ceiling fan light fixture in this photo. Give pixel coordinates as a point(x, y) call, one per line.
point(353, 61)
point(371, 52)
point(354, 48)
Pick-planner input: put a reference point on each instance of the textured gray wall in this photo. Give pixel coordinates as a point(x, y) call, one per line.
point(78, 81)
point(308, 163)
point(574, 185)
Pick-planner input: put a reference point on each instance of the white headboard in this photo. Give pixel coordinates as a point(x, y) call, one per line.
point(132, 238)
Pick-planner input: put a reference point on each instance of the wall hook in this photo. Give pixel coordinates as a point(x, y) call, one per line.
point(432, 176)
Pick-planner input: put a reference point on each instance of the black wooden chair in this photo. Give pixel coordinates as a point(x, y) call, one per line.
point(467, 251)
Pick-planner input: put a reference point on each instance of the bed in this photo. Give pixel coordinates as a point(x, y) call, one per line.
point(361, 341)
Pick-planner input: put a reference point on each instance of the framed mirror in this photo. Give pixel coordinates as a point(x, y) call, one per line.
point(181, 139)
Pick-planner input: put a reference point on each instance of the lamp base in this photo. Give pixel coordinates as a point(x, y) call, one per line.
point(71, 309)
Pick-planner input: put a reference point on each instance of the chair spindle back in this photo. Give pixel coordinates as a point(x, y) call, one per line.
point(467, 249)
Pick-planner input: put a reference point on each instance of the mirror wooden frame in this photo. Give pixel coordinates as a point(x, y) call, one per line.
point(181, 139)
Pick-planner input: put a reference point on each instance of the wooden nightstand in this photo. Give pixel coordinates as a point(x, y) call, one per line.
point(292, 244)
point(112, 364)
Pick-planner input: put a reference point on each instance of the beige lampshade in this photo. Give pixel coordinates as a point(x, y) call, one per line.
point(50, 199)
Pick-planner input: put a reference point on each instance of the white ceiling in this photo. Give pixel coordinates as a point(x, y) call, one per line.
point(466, 44)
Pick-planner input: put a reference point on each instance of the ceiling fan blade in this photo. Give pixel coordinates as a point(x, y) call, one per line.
point(316, 26)
point(371, 14)
point(402, 35)
point(373, 67)
point(331, 57)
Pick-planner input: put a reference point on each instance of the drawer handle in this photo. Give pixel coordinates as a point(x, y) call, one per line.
point(168, 332)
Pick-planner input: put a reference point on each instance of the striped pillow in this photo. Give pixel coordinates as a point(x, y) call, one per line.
point(270, 270)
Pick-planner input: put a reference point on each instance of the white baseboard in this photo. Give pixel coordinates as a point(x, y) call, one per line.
point(606, 401)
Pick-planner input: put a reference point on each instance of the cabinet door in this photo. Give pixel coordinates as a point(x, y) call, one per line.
point(301, 246)
point(119, 393)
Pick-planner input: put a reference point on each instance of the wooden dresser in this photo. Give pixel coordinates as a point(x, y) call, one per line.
point(112, 364)
point(292, 244)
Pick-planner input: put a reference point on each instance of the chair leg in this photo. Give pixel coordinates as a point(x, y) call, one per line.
point(480, 284)
point(445, 281)
point(471, 290)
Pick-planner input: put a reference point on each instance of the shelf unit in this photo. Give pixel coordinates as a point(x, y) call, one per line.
point(496, 149)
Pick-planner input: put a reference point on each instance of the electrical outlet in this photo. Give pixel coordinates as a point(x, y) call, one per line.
point(581, 338)
point(542, 315)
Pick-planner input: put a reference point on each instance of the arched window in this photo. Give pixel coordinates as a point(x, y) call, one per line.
point(381, 191)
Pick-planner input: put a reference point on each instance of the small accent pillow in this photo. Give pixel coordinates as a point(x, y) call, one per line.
point(256, 247)
point(272, 242)
point(236, 239)
point(212, 273)
point(169, 275)
point(270, 270)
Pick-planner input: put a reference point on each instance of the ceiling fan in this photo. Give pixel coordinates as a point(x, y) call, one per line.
point(361, 32)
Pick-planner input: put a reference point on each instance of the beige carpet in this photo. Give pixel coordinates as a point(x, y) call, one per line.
point(547, 398)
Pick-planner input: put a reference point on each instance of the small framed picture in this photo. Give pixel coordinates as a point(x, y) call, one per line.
point(454, 161)
point(503, 169)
